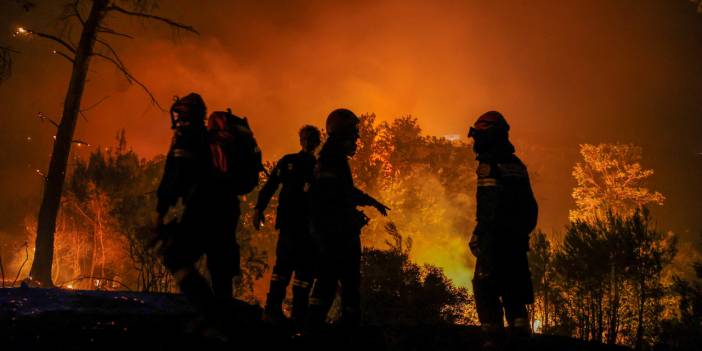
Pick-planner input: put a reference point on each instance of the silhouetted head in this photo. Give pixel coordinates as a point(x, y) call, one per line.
point(490, 133)
point(310, 137)
point(188, 111)
point(342, 127)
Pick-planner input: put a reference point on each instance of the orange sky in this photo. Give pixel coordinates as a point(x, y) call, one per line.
point(562, 72)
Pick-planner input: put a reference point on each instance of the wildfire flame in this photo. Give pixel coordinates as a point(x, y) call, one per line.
point(21, 31)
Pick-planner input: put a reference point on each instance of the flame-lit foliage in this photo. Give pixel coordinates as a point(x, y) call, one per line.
point(683, 333)
point(605, 281)
point(397, 291)
point(128, 185)
point(698, 3)
point(610, 178)
point(427, 182)
point(257, 250)
point(104, 227)
point(541, 267)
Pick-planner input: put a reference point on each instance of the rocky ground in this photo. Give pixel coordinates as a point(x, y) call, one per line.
point(57, 319)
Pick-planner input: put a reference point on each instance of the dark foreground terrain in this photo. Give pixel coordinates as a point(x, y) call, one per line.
point(56, 319)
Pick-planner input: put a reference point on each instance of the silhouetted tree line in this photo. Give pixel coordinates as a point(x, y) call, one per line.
point(398, 291)
point(606, 281)
point(685, 331)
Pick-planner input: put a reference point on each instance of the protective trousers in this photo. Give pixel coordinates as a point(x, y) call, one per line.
point(502, 282)
point(294, 253)
point(212, 233)
point(339, 266)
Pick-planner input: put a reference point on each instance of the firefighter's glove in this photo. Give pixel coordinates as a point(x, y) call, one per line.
point(380, 207)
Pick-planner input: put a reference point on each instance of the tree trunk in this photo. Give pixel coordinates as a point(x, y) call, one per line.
point(40, 273)
point(614, 308)
point(640, 314)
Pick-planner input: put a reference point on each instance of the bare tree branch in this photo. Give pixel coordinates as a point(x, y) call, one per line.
point(95, 104)
point(80, 142)
point(44, 117)
point(26, 251)
point(111, 31)
point(112, 50)
point(130, 78)
point(96, 278)
point(48, 36)
point(76, 11)
point(168, 21)
point(72, 10)
point(40, 173)
point(64, 55)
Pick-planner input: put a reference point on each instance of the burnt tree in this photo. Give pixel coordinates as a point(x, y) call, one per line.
point(91, 44)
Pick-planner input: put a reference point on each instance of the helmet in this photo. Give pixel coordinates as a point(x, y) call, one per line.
point(192, 99)
point(342, 122)
point(188, 110)
point(489, 120)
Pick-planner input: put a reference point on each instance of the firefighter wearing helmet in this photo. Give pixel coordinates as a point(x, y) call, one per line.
point(295, 249)
point(506, 215)
point(208, 220)
point(336, 222)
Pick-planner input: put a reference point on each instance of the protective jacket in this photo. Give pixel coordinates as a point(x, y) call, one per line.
point(336, 227)
point(187, 167)
point(335, 218)
point(506, 215)
point(506, 208)
point(294, 172)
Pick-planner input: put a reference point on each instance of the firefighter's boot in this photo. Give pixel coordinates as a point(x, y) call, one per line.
point(273, 312)
point(301, 296)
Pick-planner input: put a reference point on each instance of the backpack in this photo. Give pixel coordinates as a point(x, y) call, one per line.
point(236, 157)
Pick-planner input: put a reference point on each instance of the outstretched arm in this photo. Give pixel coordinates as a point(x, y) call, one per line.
point(362, 199)
point(268, 189)
point(178, 177)
point(265, 195)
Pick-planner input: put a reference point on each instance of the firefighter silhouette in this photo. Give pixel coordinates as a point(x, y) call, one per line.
point(208, 221)
point(506, 215)
point(336, 223)
point(295, 248)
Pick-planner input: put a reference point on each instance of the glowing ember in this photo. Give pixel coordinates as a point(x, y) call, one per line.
point(21, 31)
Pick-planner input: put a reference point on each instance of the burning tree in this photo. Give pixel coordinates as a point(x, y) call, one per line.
point(610, 278)
point(610, 178)
point(426, 181)
point(542, 271)
point(92, 17)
